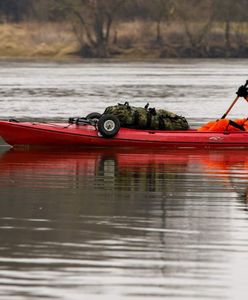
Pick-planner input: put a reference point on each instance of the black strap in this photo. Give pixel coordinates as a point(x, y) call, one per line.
point(161, 123)
point(152, 111)
point(13, 121)
point(149, 120)
point(136, 118)
point(234, 124)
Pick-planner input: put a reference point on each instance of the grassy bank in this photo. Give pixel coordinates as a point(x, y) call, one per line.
point(36, 40)
point(130, 40)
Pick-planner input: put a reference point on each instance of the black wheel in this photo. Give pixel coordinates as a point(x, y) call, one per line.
point(94, 116)
point(108, 125)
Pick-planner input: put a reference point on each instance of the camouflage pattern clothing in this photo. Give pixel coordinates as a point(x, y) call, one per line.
point(147, 118)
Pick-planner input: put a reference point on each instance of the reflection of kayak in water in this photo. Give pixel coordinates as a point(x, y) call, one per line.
point(64, 135)
point(230, 173)
point(109, 166)
point(125, 159)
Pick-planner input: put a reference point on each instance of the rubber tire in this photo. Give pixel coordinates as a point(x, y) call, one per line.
point(94, 116)
point(102, 125)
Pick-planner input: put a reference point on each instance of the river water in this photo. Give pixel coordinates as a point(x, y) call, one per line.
point(122, 224)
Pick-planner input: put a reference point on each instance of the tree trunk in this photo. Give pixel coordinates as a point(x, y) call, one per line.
point(101, 50)
point(227, 37)
point(158, 31)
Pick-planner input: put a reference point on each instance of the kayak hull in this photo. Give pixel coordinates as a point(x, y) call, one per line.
point(65, 135)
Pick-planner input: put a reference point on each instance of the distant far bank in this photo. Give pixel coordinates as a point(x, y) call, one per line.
point(133, 41)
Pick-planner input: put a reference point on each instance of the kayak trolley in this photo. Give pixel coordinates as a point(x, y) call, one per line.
point(108, 125)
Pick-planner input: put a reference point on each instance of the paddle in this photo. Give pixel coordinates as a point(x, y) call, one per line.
point(242, 92)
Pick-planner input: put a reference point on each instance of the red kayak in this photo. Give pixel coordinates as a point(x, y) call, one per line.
point(71, 135)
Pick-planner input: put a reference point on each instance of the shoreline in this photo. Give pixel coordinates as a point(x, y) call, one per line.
point(114, 60)
point(56, 42)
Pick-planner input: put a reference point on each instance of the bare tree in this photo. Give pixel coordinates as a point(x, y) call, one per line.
point(197, 17)
point(92, 22)
point(230, 11)
point(158, 11)
point(15, 10)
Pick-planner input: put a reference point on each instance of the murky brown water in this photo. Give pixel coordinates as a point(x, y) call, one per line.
point(119, 224)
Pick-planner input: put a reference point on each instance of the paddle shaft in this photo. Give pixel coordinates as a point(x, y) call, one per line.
point(230, 108)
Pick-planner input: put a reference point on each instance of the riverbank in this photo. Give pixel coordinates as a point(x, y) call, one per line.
point(27, 40)
point(133, 40)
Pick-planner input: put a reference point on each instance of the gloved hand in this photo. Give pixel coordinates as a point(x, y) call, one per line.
point(242, 91)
